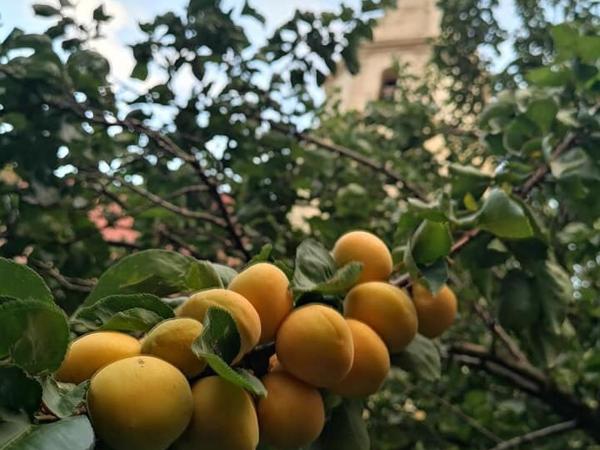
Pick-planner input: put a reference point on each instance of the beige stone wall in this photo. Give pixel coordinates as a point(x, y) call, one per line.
point(403, 34)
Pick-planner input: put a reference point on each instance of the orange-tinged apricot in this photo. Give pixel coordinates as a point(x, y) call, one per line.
point(368, 249)
point(371, 363)
point(90, 352)
point(315, 345)
point(292, 415)
point(386, 309)
point(139, 403)
point(224, 418)
point(171, 340)
point(436, 313)
point(268, 289)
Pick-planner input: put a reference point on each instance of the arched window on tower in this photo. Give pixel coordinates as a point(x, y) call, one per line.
point(389, 78)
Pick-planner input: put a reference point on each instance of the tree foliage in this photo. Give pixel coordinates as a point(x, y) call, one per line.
point(507, 211)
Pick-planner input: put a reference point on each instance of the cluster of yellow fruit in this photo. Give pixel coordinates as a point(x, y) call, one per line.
point(140, 395)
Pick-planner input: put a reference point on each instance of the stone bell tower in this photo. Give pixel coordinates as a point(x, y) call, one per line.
point(403, 34)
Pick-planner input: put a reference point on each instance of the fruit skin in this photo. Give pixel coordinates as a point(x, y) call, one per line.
point(171, 340)
point(292, 415)
point(436, 313)
point(139, 403)
point(315, 345)
point(224, 418)
point(371, 363)
point(89, 353)
point(386, 309)
point(268, 289)
point(242, 311)
point(368, 249)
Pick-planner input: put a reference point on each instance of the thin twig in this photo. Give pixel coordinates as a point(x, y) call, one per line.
point(545, 432)
point(351, 154)
point(70, 283)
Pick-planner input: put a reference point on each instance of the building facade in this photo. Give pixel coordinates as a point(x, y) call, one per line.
point(404, 34)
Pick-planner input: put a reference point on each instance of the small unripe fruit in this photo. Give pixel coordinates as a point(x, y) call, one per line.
point(315, 345)
point(292, 415)
point(89, 353)
point(268, 289)
point(436, 313)
point(368, 249)
point(139, 403)
point(224, 418)
point(371, 363)
point(386, 309)
point(242, 311)
point(172, 340)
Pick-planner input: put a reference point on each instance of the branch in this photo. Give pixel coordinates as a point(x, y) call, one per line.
point(351, 154)
point(157, 200)
point(70, 283)
point(169, 147)
point(551, 430)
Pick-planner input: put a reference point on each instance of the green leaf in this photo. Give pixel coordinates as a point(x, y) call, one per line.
point(575, 164)
point(220, 334)
point(133, 319)
point(220, 342)
point(225, 273)
point(314, 265)
point(263, 256)
point(19, 392)
point(430, 242)
point(45, 10)
point(20, 281)
point(157, 272)
point(435, 275)
point(100, 314)
point(35, 334)
point(100, 15)
point(421, 358)
point(565, 37)
point(554, 290)
point(63, 399)
point(517, 133)
point(504, 217)
point(588, 48)
point(518, 309)
point(542, 112)
point(74, 433)
point(345, 430)
point(467, 180)
point(548, 76)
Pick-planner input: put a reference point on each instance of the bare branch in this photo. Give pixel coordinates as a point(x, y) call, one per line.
point(70, 283)
point(545, 432)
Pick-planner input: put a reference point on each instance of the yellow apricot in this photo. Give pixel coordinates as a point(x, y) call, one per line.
point(242, 311)
point(371, 363)
point(436, 313)
point(171, 340)
point(89, 353)
point(368, 249)
point(314, 344)
point(224, 418)
point(268, 289)
point(139, 403)
point(292, 415)
point(386, 309)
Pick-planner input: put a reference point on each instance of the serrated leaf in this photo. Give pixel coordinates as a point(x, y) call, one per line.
point(504, 217)
point(133, 319)
point(35, 334)
point(102, 312)
point(219, 344)
point(18, 391)
point(430, 242)
point(74, 433)
point(314, 265)
point(63, 399)
point(263, 255)
point(157, 272)
point(421, 358)
point(20, 281)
